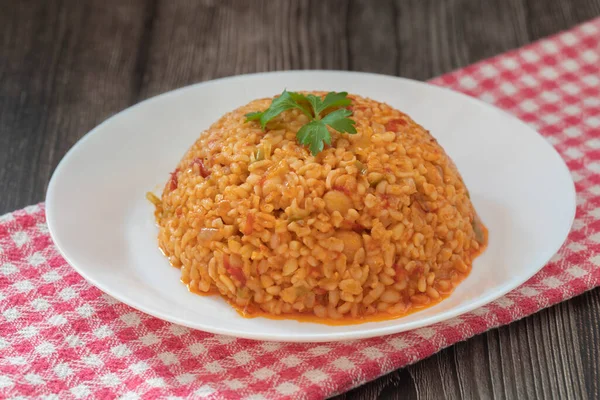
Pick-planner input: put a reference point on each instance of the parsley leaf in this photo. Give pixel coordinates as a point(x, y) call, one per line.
point(298, 97)
point(339, 121)
point(314, 134)
point(253, 116)
point(334, 99)
point(278, 105)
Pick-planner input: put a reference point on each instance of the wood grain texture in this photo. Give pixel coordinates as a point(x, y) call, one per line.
point(67, 65)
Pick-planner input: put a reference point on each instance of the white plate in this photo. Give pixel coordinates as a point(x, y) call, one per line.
point(103, 225)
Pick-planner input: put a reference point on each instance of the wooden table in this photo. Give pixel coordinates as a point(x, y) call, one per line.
point(65, 66)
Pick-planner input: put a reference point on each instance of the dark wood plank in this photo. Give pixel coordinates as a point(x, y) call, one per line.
point(197, 41)
point(548, 17)
point(67, 65)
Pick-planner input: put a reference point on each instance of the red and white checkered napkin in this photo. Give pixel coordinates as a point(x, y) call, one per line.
point(61, 336)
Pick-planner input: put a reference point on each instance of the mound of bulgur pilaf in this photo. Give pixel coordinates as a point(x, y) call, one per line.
point(376, 225)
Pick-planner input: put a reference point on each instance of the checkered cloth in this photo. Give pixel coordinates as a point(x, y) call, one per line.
point(62, 337)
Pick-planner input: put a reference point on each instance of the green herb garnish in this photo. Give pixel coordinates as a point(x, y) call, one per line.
point(315, 133)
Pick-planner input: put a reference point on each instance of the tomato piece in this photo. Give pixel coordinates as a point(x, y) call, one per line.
point(238, 274)
point(204, 171)
point(358, 228)
point(173, 182)
point(234, 271)
point(400, 273)
point(395, 124)
point(249, 227)
point(319, 291)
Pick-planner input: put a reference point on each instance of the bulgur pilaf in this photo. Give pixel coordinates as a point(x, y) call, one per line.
point(378, 224)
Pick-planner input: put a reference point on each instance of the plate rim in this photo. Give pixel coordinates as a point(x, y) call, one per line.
point(306, 338)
